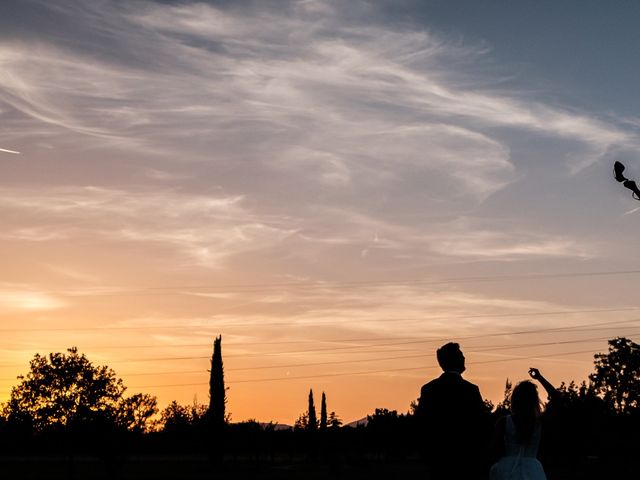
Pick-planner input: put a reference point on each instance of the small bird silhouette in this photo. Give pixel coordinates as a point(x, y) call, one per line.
point(618, 168)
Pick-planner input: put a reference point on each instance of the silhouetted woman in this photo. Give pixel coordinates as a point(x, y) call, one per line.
point(518, 434)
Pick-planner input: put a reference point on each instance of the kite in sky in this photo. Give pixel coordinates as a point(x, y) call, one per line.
point(618, 168)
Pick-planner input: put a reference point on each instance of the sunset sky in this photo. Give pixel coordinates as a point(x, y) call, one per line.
point(335, 187)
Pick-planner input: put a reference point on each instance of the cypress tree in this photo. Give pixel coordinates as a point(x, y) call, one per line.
point(313, 420)
point(217, 391)
point(323, 412)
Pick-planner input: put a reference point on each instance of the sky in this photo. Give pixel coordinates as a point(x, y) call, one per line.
point(336, 188)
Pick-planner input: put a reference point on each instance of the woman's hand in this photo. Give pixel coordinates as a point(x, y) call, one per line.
point(535, 373)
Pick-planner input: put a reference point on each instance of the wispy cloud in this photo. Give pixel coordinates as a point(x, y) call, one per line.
point(352, 310)
point(16, 298)
point(205, 229)
point(301, 94)
point(508, 246)
point(33, 234)
point(210, 133)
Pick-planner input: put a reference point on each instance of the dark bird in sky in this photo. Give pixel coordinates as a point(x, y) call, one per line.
point(618, 168)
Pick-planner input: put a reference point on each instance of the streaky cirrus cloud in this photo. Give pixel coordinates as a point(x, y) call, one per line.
point(319, 94)
point(299, 131)
point(16, 298)
point(217, 227)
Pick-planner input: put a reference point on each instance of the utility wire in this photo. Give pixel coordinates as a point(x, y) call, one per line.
point(376, 359)
point(340, 362)
point(258, 287)
point(296, 342)
point(436, 339)
point(360, 347)
point(343, 362)
point(389, 344)
point(365, 372)
point(306, 324)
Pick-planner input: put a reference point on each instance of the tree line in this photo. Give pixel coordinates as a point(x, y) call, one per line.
point(66, 396)
point(66, 391)
point(308, 421)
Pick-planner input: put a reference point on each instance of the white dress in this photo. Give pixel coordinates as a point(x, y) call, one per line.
point(519, 461)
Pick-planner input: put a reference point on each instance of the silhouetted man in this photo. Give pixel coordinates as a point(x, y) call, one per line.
point(452, 416)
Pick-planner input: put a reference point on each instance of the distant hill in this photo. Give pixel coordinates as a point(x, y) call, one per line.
point(277, 426)
point(357, 423)
point(362, 422)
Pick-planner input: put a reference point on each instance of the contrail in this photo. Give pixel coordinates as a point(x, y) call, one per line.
point(632, 211)
point(9, 151)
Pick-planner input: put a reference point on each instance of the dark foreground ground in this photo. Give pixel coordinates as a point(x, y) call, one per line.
point(198, 467)
point(194, 467)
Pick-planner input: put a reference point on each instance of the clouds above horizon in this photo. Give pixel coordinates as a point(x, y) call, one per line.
point(292, 79)
point(298, 129)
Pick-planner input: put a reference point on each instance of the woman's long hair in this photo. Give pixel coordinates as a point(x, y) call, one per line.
point(525, 407)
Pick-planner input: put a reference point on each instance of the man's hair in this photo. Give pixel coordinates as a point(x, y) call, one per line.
point(450, 357)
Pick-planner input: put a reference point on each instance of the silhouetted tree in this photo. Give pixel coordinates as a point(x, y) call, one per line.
point(217, 391)
point(302, 422)
point(135, 412)
point(334, 420)
point(66, 388)
point(311, 414)
point(323, 412)
point(488, 406)
point(617, 375)
point(413, 407)
point(504, 407)
point(388, 431)
point(198, 413)
point(382, 418)
point(175, 417)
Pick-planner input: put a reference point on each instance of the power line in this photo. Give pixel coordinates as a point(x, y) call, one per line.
point(366, 372)
point(339, 362)
point(314, 341)
point(401, 357)
point(440, 339)
point(573, 328)
point(389, 344)
point(156, 359)
point(401, 369)
point(343, 362)
point(373, 320)
point(258, 287)
point(198, 358)
point(471, 350)
point(339, 374)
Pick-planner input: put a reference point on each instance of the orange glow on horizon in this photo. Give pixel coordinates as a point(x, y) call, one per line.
point(271, 361)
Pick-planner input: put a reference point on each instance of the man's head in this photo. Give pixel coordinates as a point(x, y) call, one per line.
point(451, 358)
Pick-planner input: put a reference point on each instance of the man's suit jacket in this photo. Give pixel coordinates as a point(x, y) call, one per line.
point(452, 414)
